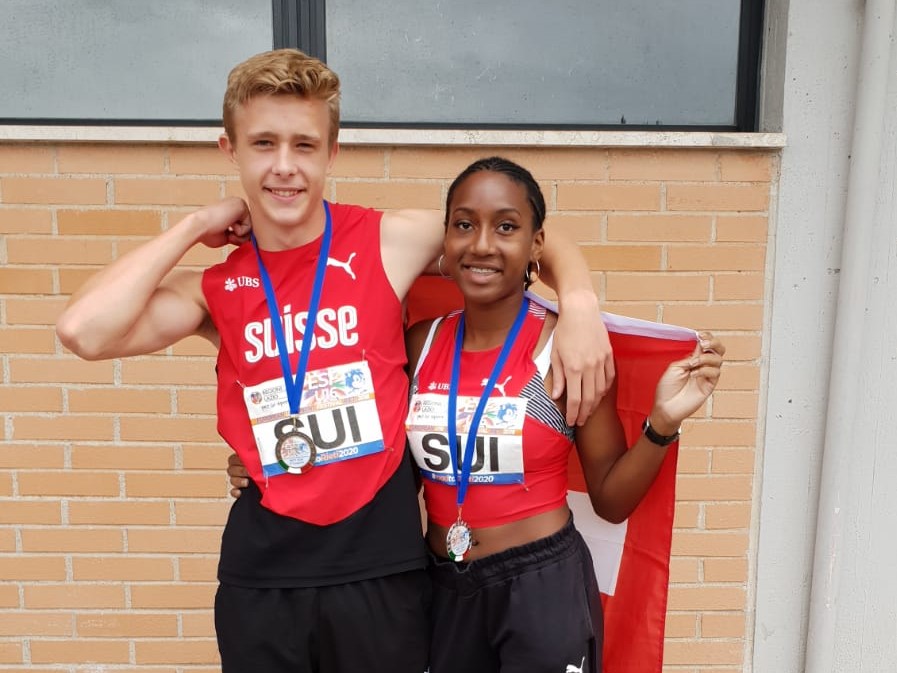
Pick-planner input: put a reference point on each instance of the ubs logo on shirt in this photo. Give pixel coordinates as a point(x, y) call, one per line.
point(231, 284)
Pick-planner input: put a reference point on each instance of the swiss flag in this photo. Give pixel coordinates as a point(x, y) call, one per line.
point(632, 559)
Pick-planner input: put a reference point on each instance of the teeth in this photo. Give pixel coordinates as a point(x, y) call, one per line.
point(479, 269)
point(285, 192)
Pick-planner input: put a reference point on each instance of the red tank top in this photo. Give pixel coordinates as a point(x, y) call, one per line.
point(519, 467)
point(355, 383)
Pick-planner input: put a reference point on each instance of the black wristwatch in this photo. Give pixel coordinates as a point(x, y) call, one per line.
point(655, 438)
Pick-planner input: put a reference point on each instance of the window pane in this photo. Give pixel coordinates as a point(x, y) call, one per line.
point(520, 62)
point(124, 59)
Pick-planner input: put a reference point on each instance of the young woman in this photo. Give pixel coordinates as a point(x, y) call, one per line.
point(514, 588)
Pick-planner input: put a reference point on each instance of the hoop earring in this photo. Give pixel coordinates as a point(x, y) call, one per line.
point(529, 275)
point(439, 266)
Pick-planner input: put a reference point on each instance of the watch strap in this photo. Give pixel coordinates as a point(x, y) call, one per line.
point(656, 438)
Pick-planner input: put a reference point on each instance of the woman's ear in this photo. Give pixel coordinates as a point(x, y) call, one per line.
point(538, 245)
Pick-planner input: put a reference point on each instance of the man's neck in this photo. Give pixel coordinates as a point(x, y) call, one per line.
point(274, 237)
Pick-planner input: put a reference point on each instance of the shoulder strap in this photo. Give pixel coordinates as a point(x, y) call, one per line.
point(543, 359)
point(427, 344)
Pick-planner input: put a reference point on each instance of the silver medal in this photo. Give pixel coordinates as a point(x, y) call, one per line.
point(296, 452)
point(458, 541)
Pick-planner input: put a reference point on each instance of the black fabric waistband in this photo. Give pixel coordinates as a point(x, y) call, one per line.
point(467, 576)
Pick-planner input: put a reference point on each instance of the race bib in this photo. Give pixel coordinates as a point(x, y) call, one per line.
point(498, 448)
point(338, 411)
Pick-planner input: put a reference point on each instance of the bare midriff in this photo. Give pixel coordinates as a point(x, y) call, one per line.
point(494, 539)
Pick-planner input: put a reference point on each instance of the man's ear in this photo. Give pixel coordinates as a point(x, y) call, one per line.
point(333, 152)
point(225, 145)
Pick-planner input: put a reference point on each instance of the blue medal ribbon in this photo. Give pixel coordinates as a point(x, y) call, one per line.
point(294, 384)
point(463, 480)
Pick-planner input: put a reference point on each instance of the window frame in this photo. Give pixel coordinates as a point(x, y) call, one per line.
point(301, 24)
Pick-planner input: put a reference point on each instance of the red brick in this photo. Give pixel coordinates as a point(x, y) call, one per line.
point(715, 317)
point(167, 191)
point(719, 257)
point(194, 651)
point(81, 597)
point(703, 652)
point(25, 221)
point(60, 483)
point(657, 287)
point(179, 540)
point(742, 228)
point(196, 400)
point(578, 196)
point(392, 194)
point(359, 162)
point(576, 227)
point(622, 257)
point(175, 485)
point(119, 512)
point(197, 160)
point(111, 158)
point(125, 625)
point(746, 166)
point(662, 228)
point(109, 222)
point(30, 398)
point(62, 190)
point(62, 428)
point(81, 650)
point(36, 624)
point(706, 598)
point(71, 540)
point(662, 164)
point(725, 570)
point(717, 197)
point(166, 370)
point(738, 286)
point(23, 280)
point(130, 568)
point(123, 457)
point(189, 513)
point(22, 568)
point(42, 311)
point(711, 488)
point(119, 399)
point(30, 158)
point(198, 568)
point(175, 429)
point(46, 250)
point(173, 596)
point(689, 543)
point(20, 512)
point(733, 461)
point(728, 516)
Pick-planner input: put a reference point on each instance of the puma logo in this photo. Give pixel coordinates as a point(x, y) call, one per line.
point(345, 266)
point(499, 386)
point(574, 669)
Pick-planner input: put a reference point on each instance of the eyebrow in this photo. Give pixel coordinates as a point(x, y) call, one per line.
point(464, 209)
point(255, 135)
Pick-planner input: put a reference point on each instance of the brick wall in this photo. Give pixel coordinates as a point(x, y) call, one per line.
point(112, 492)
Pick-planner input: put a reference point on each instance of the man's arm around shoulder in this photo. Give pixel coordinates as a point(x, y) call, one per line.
point(410, 243)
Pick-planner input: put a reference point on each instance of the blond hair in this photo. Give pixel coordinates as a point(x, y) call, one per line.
point(277, 73)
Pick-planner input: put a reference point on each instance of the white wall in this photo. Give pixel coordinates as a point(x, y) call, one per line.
point(817, 415)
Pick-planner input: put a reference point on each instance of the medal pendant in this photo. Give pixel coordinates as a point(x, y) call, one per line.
point(296, 452)
point(458, 541)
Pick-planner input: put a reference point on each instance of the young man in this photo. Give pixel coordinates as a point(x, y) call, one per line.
point(322, 559)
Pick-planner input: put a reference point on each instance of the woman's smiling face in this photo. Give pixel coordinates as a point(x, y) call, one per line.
point(490, 236)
